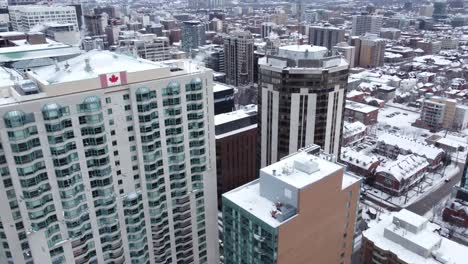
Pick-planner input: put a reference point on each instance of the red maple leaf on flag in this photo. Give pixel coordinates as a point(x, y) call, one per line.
point(113, 78)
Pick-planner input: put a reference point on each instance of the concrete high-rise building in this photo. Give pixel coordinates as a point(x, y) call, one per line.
point(25, 17)
point(96, 24)
point(236, 148)
point(239, 58)
point(370, 50)
point(426, 10)
point(106, 158)
point(325, 36)
point(302, 209)
point(147, 46)
point(440, 10)
point(443, 113)
point(267, 28)
point(301, 101)
point(347, 51)
point(193, 35)
point(363, 24)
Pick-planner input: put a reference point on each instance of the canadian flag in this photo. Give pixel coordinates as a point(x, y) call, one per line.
point(113, 79)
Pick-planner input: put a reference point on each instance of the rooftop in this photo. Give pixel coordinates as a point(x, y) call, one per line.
point(101, 62)
point(301, 169)
point(404, 166)
point(410, 144)
point(244, 112)
point(414, 240)
point(359, 107)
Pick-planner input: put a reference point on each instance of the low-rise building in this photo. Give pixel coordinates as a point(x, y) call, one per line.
point(404, 237)
point(397, 177)
point(443, 113)
point(353, 133)
point(363, 113)
point(391, 146)
point(362, 164)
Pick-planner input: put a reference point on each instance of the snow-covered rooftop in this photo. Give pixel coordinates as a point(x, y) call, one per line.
point(244, 112)
point(363, 108)
point(356, 158)
point(413, 240)
point(404, 167)
point(351, 129)
point(412, 145)
point(101, 62)
point(286, 170)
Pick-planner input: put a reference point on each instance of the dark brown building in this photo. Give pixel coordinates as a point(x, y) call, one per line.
point(236, 148)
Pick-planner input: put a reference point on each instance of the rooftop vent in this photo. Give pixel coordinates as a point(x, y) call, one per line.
point(306, 166)
point(27, 87)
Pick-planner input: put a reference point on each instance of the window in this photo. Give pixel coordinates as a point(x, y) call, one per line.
point(114, 143)
point(108, 100)
point(112, 132)
point(119, 182)
point(121, 191)
point(127, 107)
point(116, 153)
point(131, 138)
point(134, 158)
point(135, 168)
point(130, 128)
point(119, 172)
point(117, 163)
point(111, 122)
point(132, 148)
point(136, 177)
point(126, 96)
point(109, 111)
point(129, 118)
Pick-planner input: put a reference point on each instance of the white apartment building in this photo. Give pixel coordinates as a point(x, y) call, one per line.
point(363, 24)
point(107, 158)
point(146, 46)
point(25, 17)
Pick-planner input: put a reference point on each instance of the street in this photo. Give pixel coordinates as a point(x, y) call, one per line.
point(425, 204)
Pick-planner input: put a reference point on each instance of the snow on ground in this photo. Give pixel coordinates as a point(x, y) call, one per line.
point(431, 182)
point(392, 119)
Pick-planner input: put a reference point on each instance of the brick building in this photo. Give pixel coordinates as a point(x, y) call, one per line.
point(363, 113)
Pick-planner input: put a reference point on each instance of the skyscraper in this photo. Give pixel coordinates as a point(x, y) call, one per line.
point(366, 24)
point(193, 35)
point(107, 158)
point(301, 101)
point(302, 209)
point(325, 36)
point(440, 10)
point(267, 28)
point(239, 58)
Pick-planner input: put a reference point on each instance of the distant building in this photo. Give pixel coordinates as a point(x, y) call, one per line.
point(405, 237)
point(440, 9)
point(295, 112)
point(326, 36)
point(236, 148)
point(390, 33)
point(96, 24)
point(193, 35)
point(363, 113)
point(443, 113)
point(430, 47)
point(25, 17)
point(363, 24)
point(370, 51)
point(348, 52)
point(213, 57)
point(426, 10)
point(267, 28)
point(147, 46)
point(22, 2)
point(284, 210)
point(239, 58)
